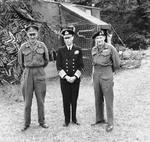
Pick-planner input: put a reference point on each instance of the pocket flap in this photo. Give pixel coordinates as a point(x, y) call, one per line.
point(105, 52)
point(26, 51)
point(40, 50)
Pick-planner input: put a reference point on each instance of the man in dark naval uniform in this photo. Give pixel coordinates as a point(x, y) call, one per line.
point(69, 65)
point(33, 57)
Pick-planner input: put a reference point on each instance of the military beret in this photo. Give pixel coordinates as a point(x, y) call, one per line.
point(32, 26)
point(65, 32)
point(99, 33)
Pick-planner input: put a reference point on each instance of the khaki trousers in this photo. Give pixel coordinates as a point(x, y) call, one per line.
point(33, 80)
point(103, 89)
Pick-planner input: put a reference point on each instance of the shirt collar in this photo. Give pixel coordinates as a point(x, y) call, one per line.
point(69, 47)
point(101, 48)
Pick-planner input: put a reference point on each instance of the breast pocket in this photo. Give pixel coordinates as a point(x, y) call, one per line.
point(75, 57)
point(27, 55)
point(105, 56)
point(40, 54)
point(40, 51)
point(102, 58)
point(106, 52)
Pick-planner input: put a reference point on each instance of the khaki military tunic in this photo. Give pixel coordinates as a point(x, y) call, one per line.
point(105, 62)
point(33, 58)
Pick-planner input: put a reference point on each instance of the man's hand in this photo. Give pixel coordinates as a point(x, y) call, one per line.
point(67, 78)
point(72, 79)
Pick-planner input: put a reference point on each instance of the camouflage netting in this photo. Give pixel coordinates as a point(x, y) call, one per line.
point(14, 16)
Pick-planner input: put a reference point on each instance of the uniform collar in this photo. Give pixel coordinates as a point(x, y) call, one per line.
point(33, 45)
point(101, 48)
point(69, 47)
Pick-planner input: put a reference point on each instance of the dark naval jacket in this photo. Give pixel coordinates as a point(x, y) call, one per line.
point(69, 62)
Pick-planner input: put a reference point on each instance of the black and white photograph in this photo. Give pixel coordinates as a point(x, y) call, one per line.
point(74, 71)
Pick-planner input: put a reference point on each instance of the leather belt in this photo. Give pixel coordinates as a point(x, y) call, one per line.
point(34, 66)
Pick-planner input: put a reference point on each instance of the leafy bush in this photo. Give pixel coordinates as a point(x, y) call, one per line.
point(140, 21)
point(137, 41)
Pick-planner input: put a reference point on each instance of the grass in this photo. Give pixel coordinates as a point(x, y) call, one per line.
point(128, 109)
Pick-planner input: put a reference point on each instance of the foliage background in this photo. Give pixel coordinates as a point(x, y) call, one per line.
point(129, 18)
point(14, 17)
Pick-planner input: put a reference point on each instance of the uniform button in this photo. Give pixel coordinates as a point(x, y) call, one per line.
point(66, 66)
point(73, 66)
point(66, 63)
point(73, 59)
point(73, 70)
point(73, 63)
point(66, 70)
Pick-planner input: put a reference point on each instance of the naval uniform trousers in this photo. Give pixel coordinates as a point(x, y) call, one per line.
point(34, 80)
point(103, 90)
point(70, 93)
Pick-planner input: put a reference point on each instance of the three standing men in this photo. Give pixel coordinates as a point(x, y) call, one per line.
point(69, 65)
point(33, 57)
point(105, 61)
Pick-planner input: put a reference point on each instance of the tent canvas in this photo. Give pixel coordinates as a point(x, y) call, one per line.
point(80, 17)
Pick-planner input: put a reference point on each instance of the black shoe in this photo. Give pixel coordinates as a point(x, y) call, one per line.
point(98, 122)
point(76, 123)
point(109, 128)
point(25, 128)
point(44, 125)
point(65, 124)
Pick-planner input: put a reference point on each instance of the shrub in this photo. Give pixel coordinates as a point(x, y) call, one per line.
point(137, 41)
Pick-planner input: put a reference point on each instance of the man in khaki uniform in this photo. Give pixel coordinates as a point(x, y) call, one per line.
point(105, 61)
point(33, 57)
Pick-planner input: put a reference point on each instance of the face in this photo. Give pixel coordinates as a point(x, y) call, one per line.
point(99, 40)
point(68, 39)
point(32, 34)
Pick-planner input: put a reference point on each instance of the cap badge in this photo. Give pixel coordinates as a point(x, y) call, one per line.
point(66, 32)
point(101, 33)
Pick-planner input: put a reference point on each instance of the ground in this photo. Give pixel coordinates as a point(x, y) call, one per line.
point(131, 112)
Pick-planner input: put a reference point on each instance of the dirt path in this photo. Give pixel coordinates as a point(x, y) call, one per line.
point(131, 107)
